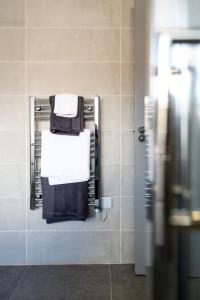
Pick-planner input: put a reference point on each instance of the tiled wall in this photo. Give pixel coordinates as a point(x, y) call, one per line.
point(78, 46)
point(176, 14)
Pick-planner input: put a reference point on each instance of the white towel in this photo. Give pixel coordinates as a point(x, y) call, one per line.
point(66, 105)
point(65, 158)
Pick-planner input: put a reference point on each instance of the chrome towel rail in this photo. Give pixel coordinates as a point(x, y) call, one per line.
point(39, 109)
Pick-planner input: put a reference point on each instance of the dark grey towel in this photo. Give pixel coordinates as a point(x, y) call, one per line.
point(63, 125)
point(64, 202)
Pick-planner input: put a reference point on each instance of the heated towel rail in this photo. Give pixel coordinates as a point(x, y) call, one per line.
point(40, 111)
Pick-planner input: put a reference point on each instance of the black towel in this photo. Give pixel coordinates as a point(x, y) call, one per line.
point(64, 202)
point(63, 125)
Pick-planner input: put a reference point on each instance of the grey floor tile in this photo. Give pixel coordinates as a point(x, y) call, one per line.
point(75, 282)
point(125, 285)
point(9, 278)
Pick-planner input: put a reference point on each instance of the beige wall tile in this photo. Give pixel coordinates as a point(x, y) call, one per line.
point(127, 251)
point(127, 213)
point(73, 13)
point(73, 44)
point(127, 45)
point(110, 112)
point(110, 180)
point(13, 248)
point(12, 13)
point(127, 13)
point(110, 146)
point(127, 112)
point(127, 146)
point(127, 78)
point(12, 78)
point(12, 112)
point(81, 78)
point(13, 214)
point(127, 183)
point(73, 247)
point(12, 183)
point(12, 44)
point(13, 146)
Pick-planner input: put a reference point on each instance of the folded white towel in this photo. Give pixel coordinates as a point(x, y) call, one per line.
point(66, 105)
point(65, 158)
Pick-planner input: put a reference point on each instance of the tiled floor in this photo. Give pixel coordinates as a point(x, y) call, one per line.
point(77, 282)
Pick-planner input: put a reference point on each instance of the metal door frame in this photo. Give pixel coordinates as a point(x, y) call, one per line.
point(139, 161)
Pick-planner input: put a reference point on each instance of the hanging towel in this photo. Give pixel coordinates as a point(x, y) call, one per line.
point(67, 126)
point(65, 159)
point(66, 105)
point(64, 202)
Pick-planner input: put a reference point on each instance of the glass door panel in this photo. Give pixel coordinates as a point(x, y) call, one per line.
point(176, 205)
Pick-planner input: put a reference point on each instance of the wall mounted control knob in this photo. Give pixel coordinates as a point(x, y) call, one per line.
point(141, 137)
point(141, 130)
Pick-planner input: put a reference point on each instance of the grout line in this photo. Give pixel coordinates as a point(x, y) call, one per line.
point(25, 92)
point(79, 27)
point(88, 95)
point(20, 197)
point(116, 129)
point(75, 61)
point(12, 95)
point(110, 277)
point(134, 145)
point(120, 169)
point(21, 130)
point(65, 27)
point(67, 230)
point(62, 230)
point(13, 163)
point(74, 230)
point(12, 61)
point(13, 197)
point(3, 163)
point(11, 27)
point(19, 282)
point(122, 196)
point(117, 163)
point(75, 27)
point(61, 264)
point(53, 61)
point(66, 61)
point(14, 264)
